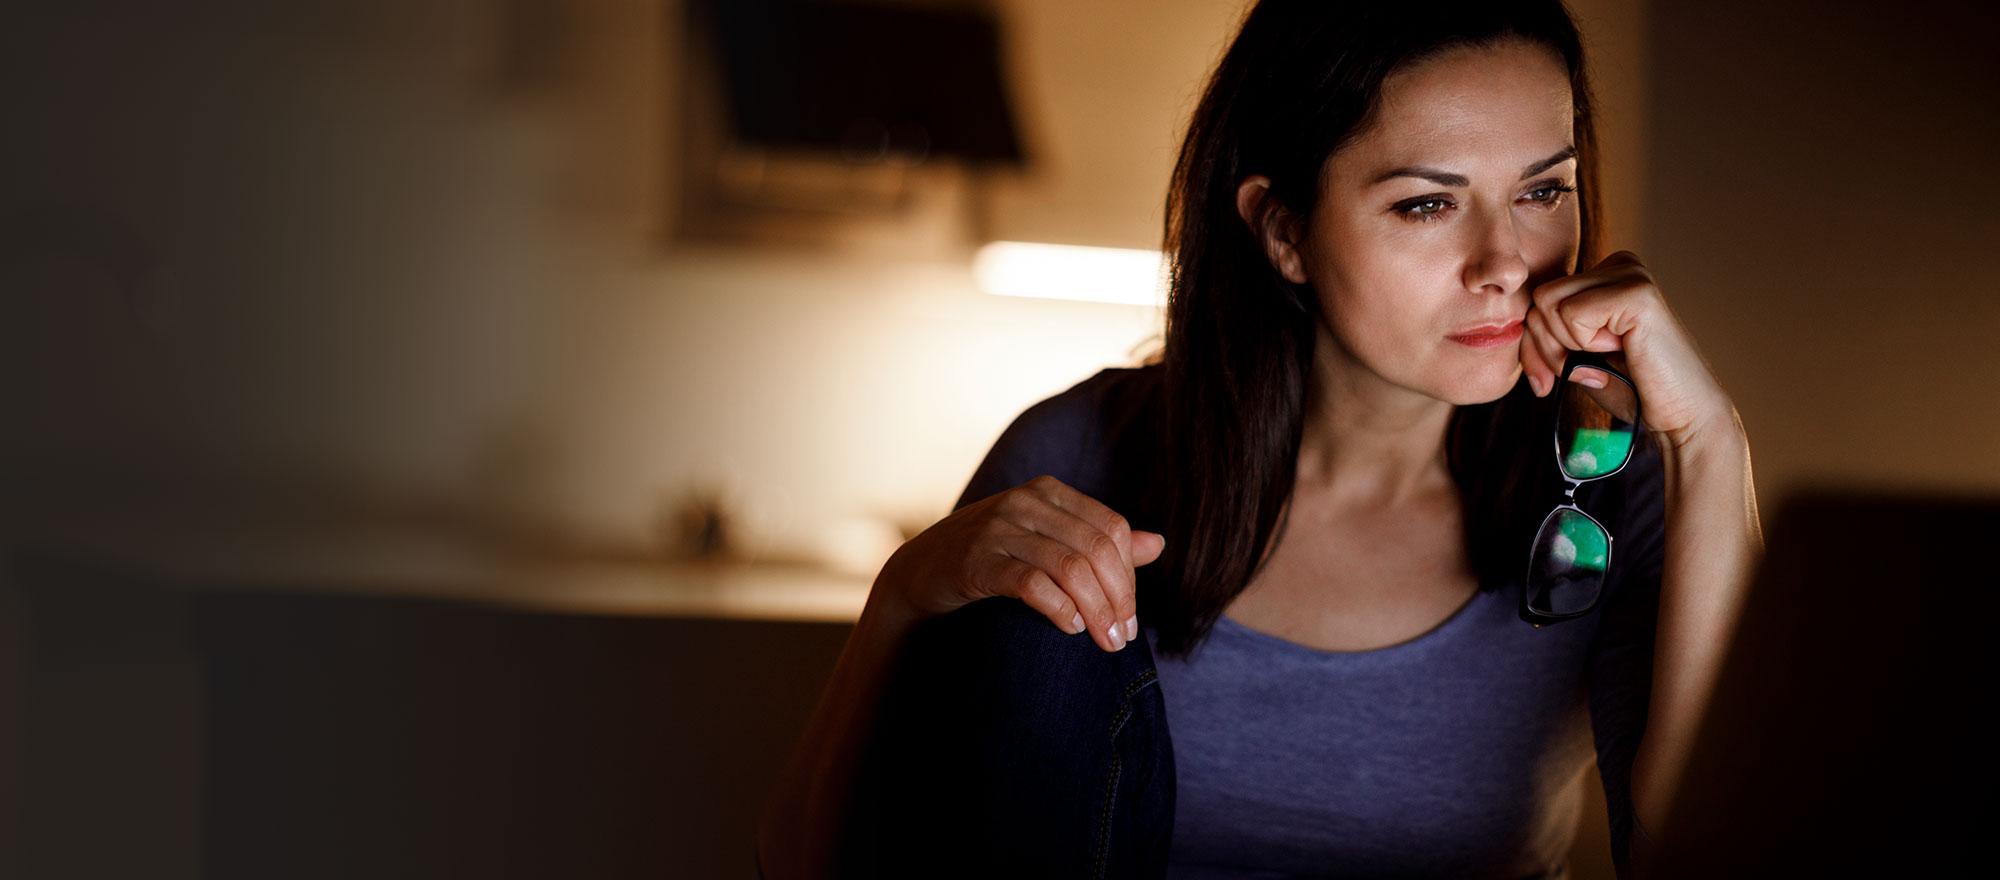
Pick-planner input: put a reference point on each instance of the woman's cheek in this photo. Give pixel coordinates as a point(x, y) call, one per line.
point(1557, 246)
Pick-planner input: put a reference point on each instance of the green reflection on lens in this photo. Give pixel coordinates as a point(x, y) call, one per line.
point(1582, 544)
point(1594, 452)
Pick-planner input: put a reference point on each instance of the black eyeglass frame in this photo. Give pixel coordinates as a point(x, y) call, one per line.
point(1571, 361)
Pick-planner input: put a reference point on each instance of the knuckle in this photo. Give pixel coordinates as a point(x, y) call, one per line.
point(1058, 603)
point(1073, 566)
point(1039, 600)
point(1022, 581)
point(1013, 501)
point(1123, 602)
point(1120, 525)
point(966, 577)
point(989, 529)
point(1065, 613)
point(992, 535)
point(1103, 547)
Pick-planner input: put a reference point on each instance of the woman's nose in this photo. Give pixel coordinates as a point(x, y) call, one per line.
point(1497, 265)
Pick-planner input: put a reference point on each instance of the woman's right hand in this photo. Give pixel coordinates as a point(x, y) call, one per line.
point(1062, 552)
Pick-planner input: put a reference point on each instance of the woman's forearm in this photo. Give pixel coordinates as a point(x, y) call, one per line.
point(1714, 541)
point(797, 832)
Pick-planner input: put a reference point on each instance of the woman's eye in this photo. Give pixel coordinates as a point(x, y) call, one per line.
point(1550, 195)
point(1422, 210)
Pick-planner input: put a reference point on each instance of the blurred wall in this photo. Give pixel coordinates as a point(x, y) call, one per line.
point(1818, 216)
point(388, 256)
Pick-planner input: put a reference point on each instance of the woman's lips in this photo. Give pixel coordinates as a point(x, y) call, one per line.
point(1491, 339)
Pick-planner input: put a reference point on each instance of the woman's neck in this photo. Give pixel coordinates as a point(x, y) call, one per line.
point(1369, 443)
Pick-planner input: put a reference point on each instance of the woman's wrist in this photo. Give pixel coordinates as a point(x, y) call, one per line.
point(1719, 432)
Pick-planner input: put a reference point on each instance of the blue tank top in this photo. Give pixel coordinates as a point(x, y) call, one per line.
point(1459, 752)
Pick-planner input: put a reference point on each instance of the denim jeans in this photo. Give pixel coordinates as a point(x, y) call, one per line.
point(1009, 748)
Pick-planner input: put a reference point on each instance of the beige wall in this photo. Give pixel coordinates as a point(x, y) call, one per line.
point(1820, 224)
point(379, 271)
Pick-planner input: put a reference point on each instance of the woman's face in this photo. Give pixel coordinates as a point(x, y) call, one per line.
point(1443, 216)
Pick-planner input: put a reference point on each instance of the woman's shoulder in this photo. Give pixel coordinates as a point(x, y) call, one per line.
point(1096, 407)
point(1071, 435)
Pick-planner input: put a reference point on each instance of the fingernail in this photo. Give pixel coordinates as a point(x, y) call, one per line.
point(1131, 627)
point(1117, 641)
point(1076, 624)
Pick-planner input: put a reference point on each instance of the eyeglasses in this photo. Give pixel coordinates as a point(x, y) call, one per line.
point(1597, 418)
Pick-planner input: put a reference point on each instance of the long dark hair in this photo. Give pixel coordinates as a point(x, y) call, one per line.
point(1295, 86)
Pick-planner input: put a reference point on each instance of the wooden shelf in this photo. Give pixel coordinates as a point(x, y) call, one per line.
point(438, 562)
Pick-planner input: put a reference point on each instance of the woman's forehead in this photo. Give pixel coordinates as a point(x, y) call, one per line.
point(1509, 67)
point(1513, 86)
point(1470, 110)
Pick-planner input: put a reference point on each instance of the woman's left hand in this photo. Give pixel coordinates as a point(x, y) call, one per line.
point(1616, 307)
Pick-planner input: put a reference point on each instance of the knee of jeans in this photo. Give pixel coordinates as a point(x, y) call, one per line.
point(1006, 627)
point(993, 623)
point(1004, 646)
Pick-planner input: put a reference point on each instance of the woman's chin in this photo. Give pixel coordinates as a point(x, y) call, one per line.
point(1480, 389)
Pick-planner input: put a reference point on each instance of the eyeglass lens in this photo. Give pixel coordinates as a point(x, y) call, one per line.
point(1594, 433)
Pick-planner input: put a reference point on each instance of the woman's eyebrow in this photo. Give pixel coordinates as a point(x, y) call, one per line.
point(1446, 178)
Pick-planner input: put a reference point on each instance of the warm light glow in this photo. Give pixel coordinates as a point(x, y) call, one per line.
point(1125, 276)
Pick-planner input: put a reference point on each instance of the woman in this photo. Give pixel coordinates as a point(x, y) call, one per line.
point(1297, 539)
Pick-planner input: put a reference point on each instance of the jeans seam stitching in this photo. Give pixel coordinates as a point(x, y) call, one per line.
point(1111, 779)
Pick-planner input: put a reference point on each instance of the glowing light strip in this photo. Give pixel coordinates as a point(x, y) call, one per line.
point(1124, 276)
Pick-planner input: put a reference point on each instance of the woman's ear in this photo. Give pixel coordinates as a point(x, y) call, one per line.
point(1277, 228)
